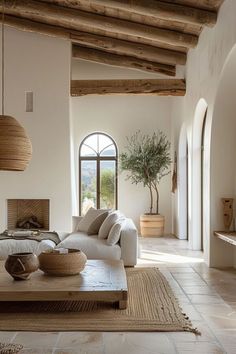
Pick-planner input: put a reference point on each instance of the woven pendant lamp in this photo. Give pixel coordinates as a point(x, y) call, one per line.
point(15, 145)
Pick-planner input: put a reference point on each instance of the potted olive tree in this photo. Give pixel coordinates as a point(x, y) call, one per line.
point(147, 160)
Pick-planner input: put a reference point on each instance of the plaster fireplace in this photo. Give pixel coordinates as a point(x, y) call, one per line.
point(28, 214)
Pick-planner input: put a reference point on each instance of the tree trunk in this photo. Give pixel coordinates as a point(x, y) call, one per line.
point(151, 199)
point(157, 198)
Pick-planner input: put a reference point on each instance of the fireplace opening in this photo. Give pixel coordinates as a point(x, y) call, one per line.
point(28, 214)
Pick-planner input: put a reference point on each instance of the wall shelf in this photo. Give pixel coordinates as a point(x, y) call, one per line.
point(227, 236)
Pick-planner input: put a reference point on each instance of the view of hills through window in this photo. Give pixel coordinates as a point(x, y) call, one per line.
point(98, 160)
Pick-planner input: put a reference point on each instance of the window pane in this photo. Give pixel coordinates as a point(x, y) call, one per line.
point(88, 185)
point(107, 184)
point(109, 151)
point(92, 141)
point(104, 141)
point(87, 151)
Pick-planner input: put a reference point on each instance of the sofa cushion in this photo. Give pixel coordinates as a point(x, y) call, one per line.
point(110, 220)
point(114, 234)
point(93, 247)
point(86, 222)
point(96, 224)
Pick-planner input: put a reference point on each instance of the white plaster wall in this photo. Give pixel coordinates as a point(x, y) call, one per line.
point(223, 147)
point(204, 67)
point(121, 116)
point(40, 64)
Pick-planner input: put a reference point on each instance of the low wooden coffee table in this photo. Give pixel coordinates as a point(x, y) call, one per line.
point(101, 280)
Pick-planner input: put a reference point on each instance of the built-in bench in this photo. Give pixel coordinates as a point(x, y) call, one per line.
point(227, 236)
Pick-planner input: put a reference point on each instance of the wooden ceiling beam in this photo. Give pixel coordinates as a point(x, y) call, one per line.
point(74, 19)
point(38, 27)
point(141, 51)
point(174, 12)
point(116, 46)
point(159, 87)
point(102, 57)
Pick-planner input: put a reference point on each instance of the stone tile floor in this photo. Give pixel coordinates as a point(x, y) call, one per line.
point(208, 296)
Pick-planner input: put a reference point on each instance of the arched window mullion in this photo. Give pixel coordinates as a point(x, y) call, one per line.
point(105, 148)
point(90, 147)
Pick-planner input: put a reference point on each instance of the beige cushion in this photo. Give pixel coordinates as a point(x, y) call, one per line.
point(89, 218)
point(111, 219)
point(114, 234)
point(96, 224)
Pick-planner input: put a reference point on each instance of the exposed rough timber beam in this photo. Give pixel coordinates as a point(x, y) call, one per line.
point(38, 27)
point(121, 60)
point(140, 51)
point(174, 12)
point(160, 87)
point(117, 46)
point(73, 19)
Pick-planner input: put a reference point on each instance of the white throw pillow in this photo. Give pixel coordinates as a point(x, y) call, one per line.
point(89, 218)
point(114, 234)
point(107, 224)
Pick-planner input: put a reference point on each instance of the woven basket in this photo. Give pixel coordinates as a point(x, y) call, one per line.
point(61, 264)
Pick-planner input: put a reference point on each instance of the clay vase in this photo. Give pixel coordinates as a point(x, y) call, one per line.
point(228, 212)
point(21, 265)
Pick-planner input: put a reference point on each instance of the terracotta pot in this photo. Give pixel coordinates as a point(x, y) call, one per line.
point(152, 225)
point(21, 265)
point(62, 264)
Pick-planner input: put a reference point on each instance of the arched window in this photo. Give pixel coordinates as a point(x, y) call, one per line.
point(97, 172)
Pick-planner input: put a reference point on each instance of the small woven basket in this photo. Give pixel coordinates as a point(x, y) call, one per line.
point(62, 264)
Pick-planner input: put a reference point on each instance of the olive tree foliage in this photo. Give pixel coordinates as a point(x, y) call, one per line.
point(108, 188)
point(147, 160)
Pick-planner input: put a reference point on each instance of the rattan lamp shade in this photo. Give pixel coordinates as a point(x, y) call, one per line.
point(15, 146)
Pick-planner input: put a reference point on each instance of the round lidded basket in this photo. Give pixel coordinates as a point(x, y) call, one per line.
point(53, 262)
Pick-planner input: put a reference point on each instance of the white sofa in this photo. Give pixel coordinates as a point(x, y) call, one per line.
point(92, 246)
point(96, 248)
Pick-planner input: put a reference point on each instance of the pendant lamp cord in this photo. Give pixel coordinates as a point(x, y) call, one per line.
point(3, 64)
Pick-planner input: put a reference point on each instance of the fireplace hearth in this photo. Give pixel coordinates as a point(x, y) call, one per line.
point(28, 214)
point(29, 223)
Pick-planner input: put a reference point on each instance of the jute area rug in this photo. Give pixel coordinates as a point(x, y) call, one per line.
point(152, 306)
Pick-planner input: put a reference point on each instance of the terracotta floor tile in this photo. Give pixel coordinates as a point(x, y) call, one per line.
point(199, 290)
point(36, 351)
point(7, 336)
point(82, 340)
point(206, 299)
point(199, 348)
point(138, 343)
point(36, 339)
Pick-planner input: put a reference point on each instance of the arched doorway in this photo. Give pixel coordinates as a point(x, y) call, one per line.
point(198, 176)
point(182, 231)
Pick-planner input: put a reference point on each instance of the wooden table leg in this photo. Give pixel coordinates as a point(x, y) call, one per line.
point(122, 304)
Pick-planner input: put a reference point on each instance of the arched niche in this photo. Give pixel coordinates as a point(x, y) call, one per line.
point(223, 161)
